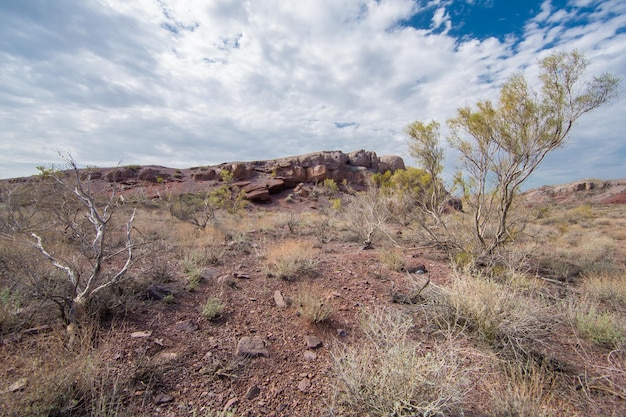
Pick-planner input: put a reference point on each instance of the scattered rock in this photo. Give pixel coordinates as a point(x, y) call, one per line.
point(158, 291)
point(309, 355)
point(187, 326)
point(18, 385)
point(227, 280)
point(210, 273)
point(252, 392)
point(241, 275)
point(140, 335)
point(417, 269)
point(251, 347)
point(166, 357)
point(313, 342)
point(279, 299)
point(163, 399)
point(342, 332)
point(304, 384)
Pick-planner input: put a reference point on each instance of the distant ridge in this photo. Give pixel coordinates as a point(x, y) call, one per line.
point(586, 191)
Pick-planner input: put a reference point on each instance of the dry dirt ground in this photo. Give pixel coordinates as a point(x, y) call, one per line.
point(189, 363)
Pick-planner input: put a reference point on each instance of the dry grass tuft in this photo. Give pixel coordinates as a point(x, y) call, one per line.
point(314, 307)
point(390, 375)
point(521, 390)
point(60, 381)
point(505, 316)
point(291, 259)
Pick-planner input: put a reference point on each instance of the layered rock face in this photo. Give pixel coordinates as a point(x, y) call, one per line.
point(261, 179)
point(287, 173)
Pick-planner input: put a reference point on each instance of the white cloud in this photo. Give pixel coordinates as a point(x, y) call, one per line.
point(183, 83)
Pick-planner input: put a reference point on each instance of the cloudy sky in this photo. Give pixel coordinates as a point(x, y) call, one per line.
point(182, 83)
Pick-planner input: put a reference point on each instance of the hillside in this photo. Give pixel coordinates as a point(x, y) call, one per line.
point(276, 307)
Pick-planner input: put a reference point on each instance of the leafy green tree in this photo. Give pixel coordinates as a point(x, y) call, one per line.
point(502, 143)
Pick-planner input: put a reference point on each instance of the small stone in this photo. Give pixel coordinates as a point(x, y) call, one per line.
point(187, 326)
point(304, 384)
point(342, 332)
point(309, 355)
point(163, 399)
point(279, 299)
point(252, 392)
point(227, 280)
point(139, 335)
point(158, 291)
point(241, 275)
point(251, 347)
point(166, 357)
point(18, 385)
point(313, 342)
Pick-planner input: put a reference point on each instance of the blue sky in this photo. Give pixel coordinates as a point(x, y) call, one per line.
point(182, 83)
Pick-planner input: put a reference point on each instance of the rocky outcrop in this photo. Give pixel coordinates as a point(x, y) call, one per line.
point(261, 179)
point(287, 173)
point(591, 191)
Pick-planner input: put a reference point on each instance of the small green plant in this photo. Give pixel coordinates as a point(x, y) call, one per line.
point(169, 299)
point(45, 171)
point(330, 186)
point(213, 307)
point(336, 203)
point(314, 307)
point(602, 328)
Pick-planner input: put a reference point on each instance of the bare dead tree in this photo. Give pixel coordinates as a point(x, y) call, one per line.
point(89, 280)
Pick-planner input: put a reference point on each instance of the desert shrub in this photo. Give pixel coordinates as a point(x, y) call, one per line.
point(213, 307)
point(314, 307)
point(366, 215)
point(601, 327)
point(330, 186)
point(290, 259)
point(389, 375)
point(506, 317)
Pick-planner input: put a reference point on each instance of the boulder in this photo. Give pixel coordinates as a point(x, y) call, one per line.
point(363, 158)
point(259, 195)
point(317, 173)
point(153, 175)
point(390, 163)
point(238, 170)
point(120, 174)
point(330, 159)
point(208, 175)
point(292, 175)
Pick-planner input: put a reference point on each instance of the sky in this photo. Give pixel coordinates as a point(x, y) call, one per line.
point(183, 83)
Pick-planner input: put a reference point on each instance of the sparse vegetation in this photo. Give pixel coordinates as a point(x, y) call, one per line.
point(392, 374)
point(535, 329)
point(213, 307)
point(291, 259)
point(314, 307)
